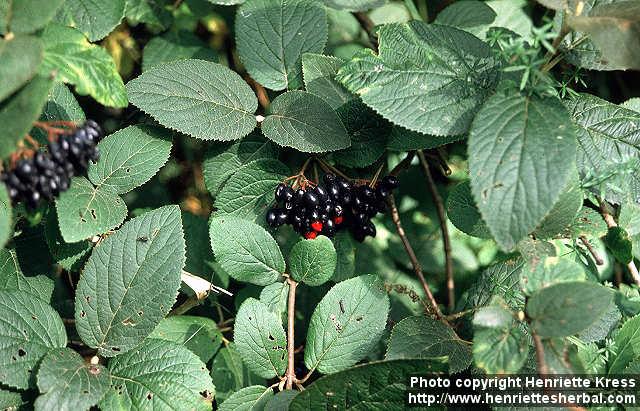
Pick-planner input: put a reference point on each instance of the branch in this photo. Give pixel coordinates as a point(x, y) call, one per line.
point(543, 370)
point(368, 26)
point(291, 311)
point(443, 228)
point(395, 216)
point(403, 165)
point(592, 251)
point(611, 222)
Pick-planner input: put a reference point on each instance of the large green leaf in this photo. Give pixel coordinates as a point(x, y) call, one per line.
point(378, 385)
point(230, 374)
point(272, 35)
point(70, 256)
point(627, 343)
point(87, 66)
point(27, 16)
point(10, 400)
point(12, 278)
point(66, 382)
point(305, 122)
point(249, 192)
point(551, 270)
point(130, 282)
point(85, 210)
point(500, 279)
point(563, 213)
point(175, 46)
point(500, 350)
point(313, 261)
point(198, 334)
point(94, 18)
point(260, 339)
point(463, 212)
point(567, 308)
point(516, 143)
point(246, 251)
point(466, 13)
point(20, 57)
point(18, 113)
point(247, 399)
point(347, 324)
point(319, 74)
point(422, 337)
point(157, 14)
point(608, 135)
point(223, 160)
point(130, 157)
point(29, 329)
point(427, 77)
point(158, 375)
point(196, 97)
point(401, 139)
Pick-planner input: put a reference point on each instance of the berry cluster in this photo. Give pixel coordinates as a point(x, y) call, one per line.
point(325, 208)
point(48, 173)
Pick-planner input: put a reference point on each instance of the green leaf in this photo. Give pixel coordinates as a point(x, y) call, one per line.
point(6, 216)
point(354, 5)
point(552, 270)
point(376, 385)
point(500, 351)
point(71, 256)
point(608, 135)
point(563, 213)
point(510, 15)
point(346, 256)
point(614, 29)
point(313, 261)
point(20, 57)
point(274, 296)
point(199, 98)
point(496, 315)
point(27, 16)
point(10, 400)
point(515, 143)
point(319, 74)
point(281, 400)
point(198, 334)
point(347, 324)
point(627, 343)
point(422, 338)
point(175, 46)
point(247, 399)
point(129, 285)
point(196, 237)
point(68, 383)
point(305, 122)
point(632, 104)
point(272, 36)
point(401, 139)
point(368, 133)
point(588, 223)
point(62, 105)
point(130, 157)
point(87, 66)
point(30, 328)
point(619, 244)
point(427, 77)
point(12, 278)
point(567, 308)
point(249, 192)
point(390, 13)
point(463, 212)
point(466, 13)
point(600, 329)
point(94, 18)
point(246, 251)
point(230, 374)
point(503, 279)
point(158, 374)
point(224, 160)
point(19, 112)
point(155, 13)
point(85, 210)
point(260, 339)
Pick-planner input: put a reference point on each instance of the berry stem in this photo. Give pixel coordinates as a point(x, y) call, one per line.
point(374, 180)
point(291, 311)
point(444, 230)
point(329, 168)
point(592, 251)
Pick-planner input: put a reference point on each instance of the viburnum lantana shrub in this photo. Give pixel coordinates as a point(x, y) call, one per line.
point(297, 204)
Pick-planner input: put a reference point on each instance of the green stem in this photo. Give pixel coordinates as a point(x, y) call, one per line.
point(413, 11)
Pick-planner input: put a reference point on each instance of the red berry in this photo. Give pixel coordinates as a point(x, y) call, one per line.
point(317, 226)
point(338, 220)
point(311, 235)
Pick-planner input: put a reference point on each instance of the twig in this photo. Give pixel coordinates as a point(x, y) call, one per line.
point(611, 222)
point(368, 26)
point(413, 11)
point(291, 311)
point(448, 262)
point(403, 165)
point(326, 166)
point(395, 216)
point(549, 57)
point(263, 97)
point(543, 370)
point(592, 251)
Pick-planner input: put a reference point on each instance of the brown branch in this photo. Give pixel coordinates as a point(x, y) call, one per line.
point(448, 264)
point(592, 251)
point(367, 24)
point(543, 370)
point(395, 216)
point(291, 311)
point(263, 97)
point(611, 222)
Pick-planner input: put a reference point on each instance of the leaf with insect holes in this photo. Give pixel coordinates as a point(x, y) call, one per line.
point(272, 35)
point(313, 261)
point(260, 339)
point(130, 282)
point(85, 210)
point(20, 58)
point(202, 99)
point(29, 329)
point(130, 157)
point(67, 382)
point(346, 324)
point(158, 374)
point(198, 334)
point(246, 251)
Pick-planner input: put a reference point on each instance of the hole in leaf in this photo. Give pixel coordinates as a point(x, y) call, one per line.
point(83, 314)
point(249, 318)
point(33, 317)
point(116, 349)
point(128, 169)
point(87, 298)
point(85, 392)
point(271, 337)
point(140, 313)
point(359, 318)
point(21, 352)
point(149, 396)
point(93, 214)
